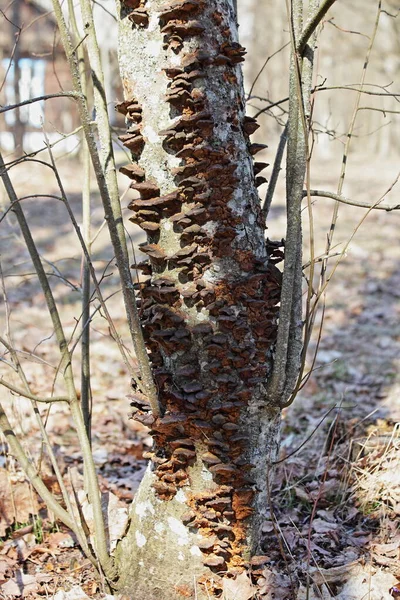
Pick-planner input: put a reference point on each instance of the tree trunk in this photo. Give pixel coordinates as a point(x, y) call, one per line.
point(19, 127)
point(209, 307)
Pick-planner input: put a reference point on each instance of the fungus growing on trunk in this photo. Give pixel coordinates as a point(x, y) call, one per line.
point(139, 17)
point(209, 309)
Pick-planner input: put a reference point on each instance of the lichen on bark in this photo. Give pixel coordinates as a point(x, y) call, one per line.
point(209, 304)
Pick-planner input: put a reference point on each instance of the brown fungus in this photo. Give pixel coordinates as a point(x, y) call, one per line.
point(164, 489)
point(185, 454)
point(143, 266)
point(127, 106)
point(214, 561)
point(149, 226)
point(133, 171)
point(234, 51)
point(255, 148)
point(131, 3)
point(210, 459)
point(153, 250)
point(139, 17)
point(259, 166)
point(179, 8)
point(180, 98)
point(207, 543)
point(134, 143)
point(183, 29)
point(186, 442)
point(147, 189)
point(146, 419)
point(260, 181)
point(250, 125)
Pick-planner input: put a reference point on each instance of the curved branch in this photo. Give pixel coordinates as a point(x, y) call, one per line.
point(39, 99)
point(25, 394)
point(344, 200)
point(312, 24)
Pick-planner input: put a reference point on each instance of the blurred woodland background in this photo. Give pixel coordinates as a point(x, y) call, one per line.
point(358, 366)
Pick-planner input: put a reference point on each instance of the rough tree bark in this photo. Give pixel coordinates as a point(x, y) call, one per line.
point(209, 306)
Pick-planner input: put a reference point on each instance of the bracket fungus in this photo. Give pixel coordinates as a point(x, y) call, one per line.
point(203, 263)
point(139, 17)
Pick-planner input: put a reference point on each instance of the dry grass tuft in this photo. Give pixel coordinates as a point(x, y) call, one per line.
point(376, 471)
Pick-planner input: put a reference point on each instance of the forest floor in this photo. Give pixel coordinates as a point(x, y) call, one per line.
point(335, 502)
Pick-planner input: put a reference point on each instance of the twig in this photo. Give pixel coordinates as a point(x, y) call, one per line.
point(51, 305)
point(96, 283)
point(263, 67)
point(343, 30)
point(104, 169)
point(345, 200)
point(10, 208)
point(30, 157)
point(78, 526)
point(347, 148)
point(321, 488)
point(86, 396)
point(13, 52)
point(324, 88)
point(382, 110)
point(308, 438)
point(100, 5)
point(272, 105)
point(25, 394)
point(31, 473)
point(343, 253)
point(39, 99)
point(320, 258)
point(66, 367)
point(275, 173)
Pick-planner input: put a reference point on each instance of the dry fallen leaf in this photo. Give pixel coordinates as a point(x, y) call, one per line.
point(17, 502)
point(6, 565)
point(20, 585)
point(322, 526)
point(367, 583)
point(115, 515)
point(239, 588)
point(60, 539)
point(275, 585)
point(75, 593)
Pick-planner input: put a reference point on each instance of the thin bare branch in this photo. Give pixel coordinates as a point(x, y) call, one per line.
point(384, 111)
point(351, 31)
point(86, 396)
point(263, 67)
point(25, 394)
point(344, 200)
point(348, 144)
point(104, 168)
point(275, 173)
point(39, 99)
point(324, 88)
point(30, 471)
point(66, 367)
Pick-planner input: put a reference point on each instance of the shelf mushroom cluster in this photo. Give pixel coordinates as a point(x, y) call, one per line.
point(205, 372)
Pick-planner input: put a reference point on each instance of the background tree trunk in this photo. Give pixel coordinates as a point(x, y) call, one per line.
point(19, 127)
point(209, 308)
